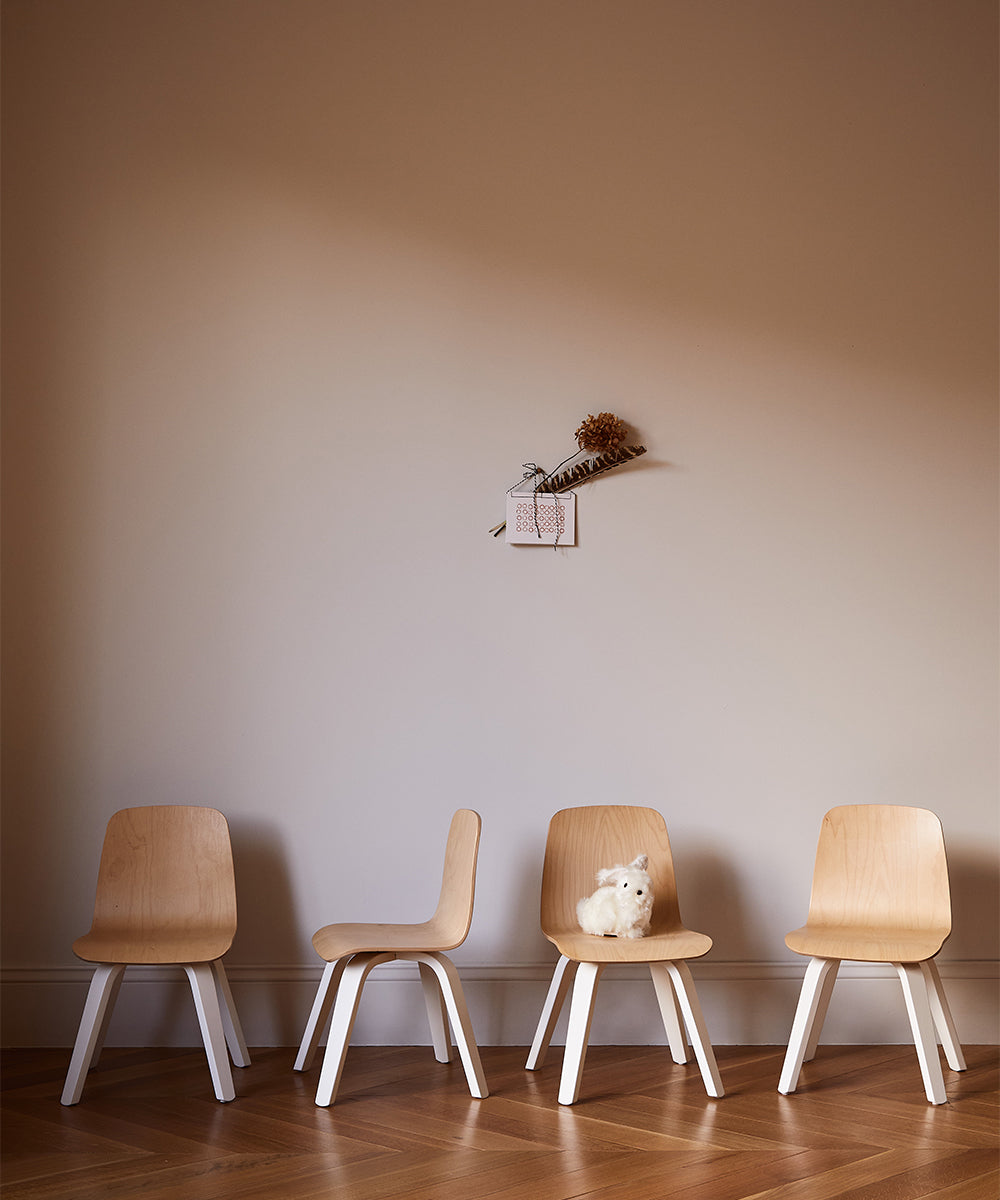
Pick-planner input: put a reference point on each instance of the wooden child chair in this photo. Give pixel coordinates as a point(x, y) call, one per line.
point(580, 841)
point(353, 950)
point(879, 894)
point(166, 895)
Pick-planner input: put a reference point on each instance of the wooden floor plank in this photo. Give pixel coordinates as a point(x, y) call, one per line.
point(148, 1128)
point(984, 1187)
point(843, 1179)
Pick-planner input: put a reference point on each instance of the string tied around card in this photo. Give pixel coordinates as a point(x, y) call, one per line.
point(542, 478)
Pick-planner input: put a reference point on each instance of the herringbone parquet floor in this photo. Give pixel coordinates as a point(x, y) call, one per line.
point(405, 1126)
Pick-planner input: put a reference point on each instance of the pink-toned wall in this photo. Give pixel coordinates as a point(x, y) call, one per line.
point(291, 291)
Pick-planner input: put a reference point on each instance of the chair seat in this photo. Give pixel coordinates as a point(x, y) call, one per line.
point(337, 941)
point(875, 944)
point(664, 946)
point(155, 948)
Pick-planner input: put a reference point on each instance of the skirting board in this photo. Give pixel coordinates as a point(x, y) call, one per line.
point(744, 1004)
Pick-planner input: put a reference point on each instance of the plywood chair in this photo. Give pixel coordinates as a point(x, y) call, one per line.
point(352, 951)
point(879, 894)
point(580, 842)
point(166, 895)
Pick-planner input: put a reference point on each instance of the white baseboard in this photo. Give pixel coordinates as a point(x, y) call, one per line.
point(744, 1004)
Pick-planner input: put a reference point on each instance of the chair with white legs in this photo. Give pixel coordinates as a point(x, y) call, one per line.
point(879, 894)
point(166, 895)
point(580, 842)
point(353, 950)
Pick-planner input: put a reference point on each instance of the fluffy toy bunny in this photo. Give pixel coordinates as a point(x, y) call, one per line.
point(623, 903)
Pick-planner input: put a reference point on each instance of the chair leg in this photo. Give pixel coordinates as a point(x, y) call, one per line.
point(810, 1000)
point(206, 1002)
point(319, 1014)
point(918, 1008)
point(667, 1000)
point(93, 1024)
point(345, 1009)
point(109, 1009)
point(230, 1018)
point(941, 1013)
point(581, 1014)
point(454, 998)
point(697, 1030)
point(437, 1015)
point(822, 1005)
point(562, 977)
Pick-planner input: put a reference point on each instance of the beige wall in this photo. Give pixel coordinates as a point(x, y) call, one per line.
point(292, 290)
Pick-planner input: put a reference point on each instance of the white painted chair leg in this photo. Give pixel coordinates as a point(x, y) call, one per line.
point(581, 1014)
point(206, 1002)
point(667, 1000)
point(458, 1012)
point(562, 977)
point(93, 1023)
point(109, 1009)
point(922, 1023)
point(805, 1013)
point(230, 1018)
point(687, 997)
point(345, 1009)
point(319, 1014)
point(437, 1015)
point(941, 1013)
point(822, 1005)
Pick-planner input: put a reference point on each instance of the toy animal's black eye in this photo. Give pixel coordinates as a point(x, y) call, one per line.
point(639, 892)
point(625, 884)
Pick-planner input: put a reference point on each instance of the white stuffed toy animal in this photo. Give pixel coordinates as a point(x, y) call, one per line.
point(623, 903)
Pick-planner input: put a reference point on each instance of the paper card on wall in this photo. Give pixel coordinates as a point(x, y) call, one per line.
point(541, 519)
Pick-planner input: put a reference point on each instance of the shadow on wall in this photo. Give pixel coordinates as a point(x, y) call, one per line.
point(711, 902)
point(268, 931)
point(521, 937)
point(975, 902)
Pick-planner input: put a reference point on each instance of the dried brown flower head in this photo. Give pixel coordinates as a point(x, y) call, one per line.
point(598, 435)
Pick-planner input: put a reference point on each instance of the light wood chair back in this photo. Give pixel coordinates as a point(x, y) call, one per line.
point(453, 916)
point(583, 840)
point(878, 867)
point(166, 891)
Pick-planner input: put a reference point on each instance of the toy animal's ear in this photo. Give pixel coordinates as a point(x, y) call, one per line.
point(603, 875)
point(642, 862)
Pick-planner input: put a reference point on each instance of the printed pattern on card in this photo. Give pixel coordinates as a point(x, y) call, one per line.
point(541, 519)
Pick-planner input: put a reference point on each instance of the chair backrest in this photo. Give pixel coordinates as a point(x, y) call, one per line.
point(453, 917)
point(166, 876)
point(881, 866)
point(583, 840)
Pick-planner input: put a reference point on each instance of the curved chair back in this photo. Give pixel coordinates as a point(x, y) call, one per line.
point(166, 891)
point(881, 866)
point(582, 840)
point(453, 916)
